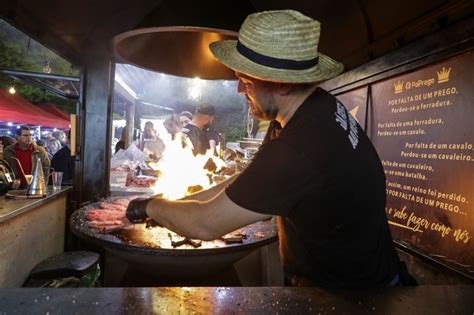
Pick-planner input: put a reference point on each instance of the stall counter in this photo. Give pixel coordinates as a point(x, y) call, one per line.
point(30, 231)
point(428, 299)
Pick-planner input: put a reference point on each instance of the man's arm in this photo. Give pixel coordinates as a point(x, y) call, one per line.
point(205, 220)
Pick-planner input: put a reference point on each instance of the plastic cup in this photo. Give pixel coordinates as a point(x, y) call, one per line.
point(57, 180)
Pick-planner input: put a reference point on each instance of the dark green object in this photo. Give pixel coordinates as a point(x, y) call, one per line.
point(69, 269)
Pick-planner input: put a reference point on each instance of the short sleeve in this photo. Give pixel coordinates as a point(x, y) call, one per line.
point(274, 182)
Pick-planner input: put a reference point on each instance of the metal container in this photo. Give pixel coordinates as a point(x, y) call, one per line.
point(37, 186)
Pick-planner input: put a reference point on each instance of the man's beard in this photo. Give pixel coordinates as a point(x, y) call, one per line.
point(266, 114)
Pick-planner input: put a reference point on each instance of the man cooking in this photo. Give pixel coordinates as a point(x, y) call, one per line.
point(317, 171)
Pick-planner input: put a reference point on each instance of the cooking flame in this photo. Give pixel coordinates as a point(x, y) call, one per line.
point(180, 169)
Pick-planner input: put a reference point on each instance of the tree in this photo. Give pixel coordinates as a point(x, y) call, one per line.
point(20, 52)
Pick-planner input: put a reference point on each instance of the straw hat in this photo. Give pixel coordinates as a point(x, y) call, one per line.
point(278, 46)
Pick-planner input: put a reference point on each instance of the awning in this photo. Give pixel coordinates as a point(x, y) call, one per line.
point(52, 109)
point(60, 85)
point(14, 108)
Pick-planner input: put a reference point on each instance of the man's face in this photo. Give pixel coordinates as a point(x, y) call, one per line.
point(25, 138)
point(259, 96)
point(63, 138)
point(148, 126)
point(210, 121)
point(149, 130)
point(183, 120)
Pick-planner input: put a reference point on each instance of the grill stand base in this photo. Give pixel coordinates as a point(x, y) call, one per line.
point(119, 273)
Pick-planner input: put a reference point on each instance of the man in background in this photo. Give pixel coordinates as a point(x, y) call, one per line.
point(60, 136)
point(5, 141)
point(21, 155)
point(195, 130)
point(185, 118)
point(62, 161)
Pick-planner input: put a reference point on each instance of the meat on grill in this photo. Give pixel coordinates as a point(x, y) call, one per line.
point(106, 226)
point(112, 206)
point(104, 216)
point(109, 217)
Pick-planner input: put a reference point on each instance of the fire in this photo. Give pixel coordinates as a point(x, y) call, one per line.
point(180, 169)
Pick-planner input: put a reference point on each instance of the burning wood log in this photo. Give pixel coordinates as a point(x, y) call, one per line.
point(236, 237)
point(184, 241)
point(194, 189)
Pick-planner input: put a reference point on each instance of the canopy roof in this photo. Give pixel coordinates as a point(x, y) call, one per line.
point(50, 108)
point(14, 108)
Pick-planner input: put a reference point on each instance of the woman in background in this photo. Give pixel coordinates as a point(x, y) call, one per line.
point(52, 145)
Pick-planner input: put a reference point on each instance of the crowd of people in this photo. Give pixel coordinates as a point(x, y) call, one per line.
point(21, 152)
point(195, 130)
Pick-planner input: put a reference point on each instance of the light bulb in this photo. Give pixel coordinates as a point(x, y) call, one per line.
point(12, 90)
point(47, 68)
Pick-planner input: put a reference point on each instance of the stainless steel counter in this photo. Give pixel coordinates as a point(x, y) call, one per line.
point(14, 207)
point(439, 299)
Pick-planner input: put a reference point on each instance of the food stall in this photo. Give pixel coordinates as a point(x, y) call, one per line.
point(381, 58)
point(28, 221)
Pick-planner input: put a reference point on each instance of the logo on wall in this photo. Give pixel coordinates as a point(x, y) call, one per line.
point(398, 87)
point(443, 75)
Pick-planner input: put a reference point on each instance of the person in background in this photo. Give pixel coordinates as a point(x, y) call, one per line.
point(123, 140)
point(172, 126)
point(329, 197)
point(152, 145)
point(202, 119)
point(5, 141)
point(60, 136)
point(21, 155)
point(149, 132)
point(63, 162)
point(185, 118)
point(52, 146)
point(175, 123)
point(214, 139)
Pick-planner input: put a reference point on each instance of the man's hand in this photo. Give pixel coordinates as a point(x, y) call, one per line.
point(136, 210)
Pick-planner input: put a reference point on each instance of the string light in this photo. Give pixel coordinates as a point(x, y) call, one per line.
point(12, 90)
point(47, 67)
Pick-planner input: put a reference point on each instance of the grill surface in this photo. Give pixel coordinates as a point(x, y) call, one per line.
point(152, 246)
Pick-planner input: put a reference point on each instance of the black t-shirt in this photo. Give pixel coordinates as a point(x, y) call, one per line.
point(198, 138)
point(324, 180)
